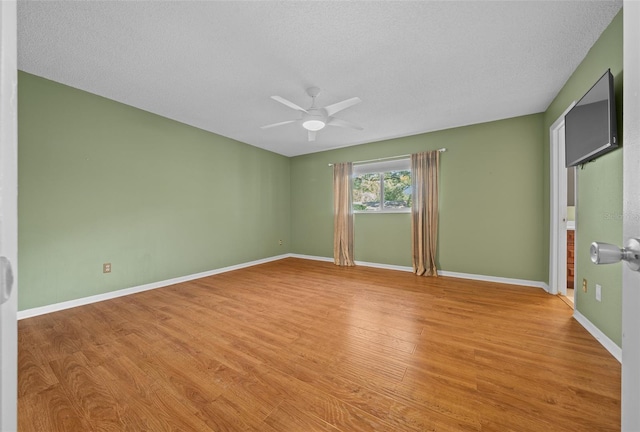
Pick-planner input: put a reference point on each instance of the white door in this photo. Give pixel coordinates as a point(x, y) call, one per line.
point(631, 219)
point(8, 216)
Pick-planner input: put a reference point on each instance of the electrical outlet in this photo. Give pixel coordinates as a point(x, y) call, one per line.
point(598, 292)
point(584, 285)
point(280, 242)
point(106, 268)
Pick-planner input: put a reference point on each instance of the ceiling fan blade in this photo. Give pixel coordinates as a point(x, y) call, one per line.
point(344, 123)
point(278, 124)
point(334, 108)
point(288, 103)
point(312, 135)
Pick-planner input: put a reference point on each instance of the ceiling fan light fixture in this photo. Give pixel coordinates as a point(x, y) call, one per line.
point(313, 125)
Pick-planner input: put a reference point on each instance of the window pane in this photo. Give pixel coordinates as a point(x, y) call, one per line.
point(397, 190)
point(366, 192)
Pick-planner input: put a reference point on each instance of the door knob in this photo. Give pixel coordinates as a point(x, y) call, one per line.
point(6, 279)
point(605, 253)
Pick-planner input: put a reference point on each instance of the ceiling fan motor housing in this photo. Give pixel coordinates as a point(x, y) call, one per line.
point(314, 120)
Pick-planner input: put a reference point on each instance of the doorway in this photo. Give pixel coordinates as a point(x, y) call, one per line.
point(569, 294)
point(563, 218)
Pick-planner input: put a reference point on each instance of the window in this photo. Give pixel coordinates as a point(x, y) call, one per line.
point(382, 186)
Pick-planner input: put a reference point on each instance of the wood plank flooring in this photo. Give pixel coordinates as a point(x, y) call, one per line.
point(297, 345)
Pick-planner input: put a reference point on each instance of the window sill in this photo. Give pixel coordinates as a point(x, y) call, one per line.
point(407, 211)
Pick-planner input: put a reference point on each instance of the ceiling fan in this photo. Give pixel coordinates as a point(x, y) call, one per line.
point(314, 118)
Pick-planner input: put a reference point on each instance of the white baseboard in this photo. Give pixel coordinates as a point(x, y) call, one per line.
point(496, 279)
point(385, 266)
point(604, 340)
point(28, 313)
point(521, 282)
point(311, 257)
point(360, 263)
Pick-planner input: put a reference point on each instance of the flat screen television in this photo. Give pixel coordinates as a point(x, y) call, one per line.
point(590, 126)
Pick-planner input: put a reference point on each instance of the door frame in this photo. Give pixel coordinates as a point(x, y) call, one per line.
point(558, 210)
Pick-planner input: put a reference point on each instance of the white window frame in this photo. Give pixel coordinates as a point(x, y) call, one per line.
point(381, 167)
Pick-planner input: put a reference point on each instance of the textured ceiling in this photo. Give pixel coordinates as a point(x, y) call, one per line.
point(417, 66)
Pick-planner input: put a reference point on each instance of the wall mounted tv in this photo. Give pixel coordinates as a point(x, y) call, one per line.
point(590, 126)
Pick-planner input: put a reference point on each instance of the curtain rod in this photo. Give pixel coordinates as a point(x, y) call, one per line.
point(441, 150)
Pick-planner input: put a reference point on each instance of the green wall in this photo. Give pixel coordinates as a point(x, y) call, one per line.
point(100, 182)
point(599, 205)
point(491, 201)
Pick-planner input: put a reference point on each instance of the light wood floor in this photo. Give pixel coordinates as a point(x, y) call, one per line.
point(298, 346)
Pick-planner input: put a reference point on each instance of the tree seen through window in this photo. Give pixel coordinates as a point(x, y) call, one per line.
point(393, 186)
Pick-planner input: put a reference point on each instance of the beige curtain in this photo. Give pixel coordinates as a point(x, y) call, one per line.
point(343, 234)
point(424, 211)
